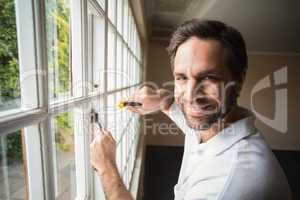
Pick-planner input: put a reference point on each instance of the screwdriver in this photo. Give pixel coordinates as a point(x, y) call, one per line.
point(123, 104)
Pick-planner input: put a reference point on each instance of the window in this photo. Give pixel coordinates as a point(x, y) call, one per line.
point(62, 129)
point(18, 67)
point(112, 11)
point(13, 173)
point(10, 94)
point(122, 78)
point(19, 160)
point(120, 16)
point(59, 45)
point(57, 65)
point(111, 59)
point(96, 50)
point(119, 65)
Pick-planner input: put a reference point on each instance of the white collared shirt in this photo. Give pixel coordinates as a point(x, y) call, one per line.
point(236, 164)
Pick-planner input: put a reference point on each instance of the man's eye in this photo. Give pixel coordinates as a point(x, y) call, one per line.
point(181, 78)
point(211, 78)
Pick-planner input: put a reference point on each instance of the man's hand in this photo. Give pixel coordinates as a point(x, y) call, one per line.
point(103, 159)
point(152, 100)
point(103, 151)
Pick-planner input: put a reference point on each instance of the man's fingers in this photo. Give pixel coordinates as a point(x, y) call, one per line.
point(95, 129)
point(133, 109)
point(107, 133)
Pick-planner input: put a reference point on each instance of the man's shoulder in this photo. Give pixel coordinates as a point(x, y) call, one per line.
point(254, 154)
point(257, 173)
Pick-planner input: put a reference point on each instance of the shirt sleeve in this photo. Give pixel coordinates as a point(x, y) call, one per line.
point(206, 190)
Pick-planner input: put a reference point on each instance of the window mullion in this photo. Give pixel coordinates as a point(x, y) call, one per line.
point(105, 58)
point(80, 155)
point(34, 162)
point(47, 154)
point(78, 40)
point(81, 83)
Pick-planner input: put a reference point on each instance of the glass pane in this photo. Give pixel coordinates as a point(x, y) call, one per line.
point(134, 40)
point(102, 4)
point(125, 76)
point(124, 113)
point(111, 113)
point(125, 20)
point(97, 51)
point(112, 11)
point(129, 68)
point(129, 29)
point(111, 71)
point(59, 49)
point(12, 170)
point(119, 15)
point(64, 156)
point(119, 116)
point(9, 68)
point(119, 69)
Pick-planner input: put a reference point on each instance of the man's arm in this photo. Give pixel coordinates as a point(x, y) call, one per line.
point(167, 99)
point(152, 100)
point(113, 185)
point(103, 147)
point(103, 159)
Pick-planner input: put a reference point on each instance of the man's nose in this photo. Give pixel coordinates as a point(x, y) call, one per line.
point(192, 91)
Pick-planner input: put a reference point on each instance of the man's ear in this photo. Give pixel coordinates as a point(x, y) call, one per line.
point(233, 89)
point(240, 83)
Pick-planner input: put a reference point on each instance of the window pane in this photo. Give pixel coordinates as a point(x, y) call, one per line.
point(119, 15)
point(124, 66)
point(119, 120)
point(111, 113)
point(12, 170)
point(112, 11)
point(64, 156)
point(59, 45)
point(111, 71)
point(129, 68)
point(102, 4)
point(96, 50)
point(129, 28)
point(119, 71)
point(125, 20)
point(9, 68)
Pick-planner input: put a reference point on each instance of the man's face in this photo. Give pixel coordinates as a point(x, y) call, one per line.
point(200, 77)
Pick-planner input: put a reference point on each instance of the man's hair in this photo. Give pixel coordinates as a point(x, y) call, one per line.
point(229, 38)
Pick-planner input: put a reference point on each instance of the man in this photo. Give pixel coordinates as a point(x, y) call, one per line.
point(225, 157)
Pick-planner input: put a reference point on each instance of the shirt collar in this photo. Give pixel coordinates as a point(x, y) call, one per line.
point(227, 137)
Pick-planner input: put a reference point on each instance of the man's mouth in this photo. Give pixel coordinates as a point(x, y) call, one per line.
point(200, 111)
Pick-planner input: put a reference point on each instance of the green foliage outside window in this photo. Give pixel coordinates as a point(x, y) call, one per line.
point(9, 68)
point(64, 132)
point(58, 36)
point(59, 65)
point(11, 148)
point(58, 15)
point(11, 145)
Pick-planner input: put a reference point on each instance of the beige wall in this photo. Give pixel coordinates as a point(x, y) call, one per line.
point(260, 65)
point(159, 71)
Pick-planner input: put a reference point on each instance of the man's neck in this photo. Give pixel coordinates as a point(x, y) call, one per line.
point(234, 115)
